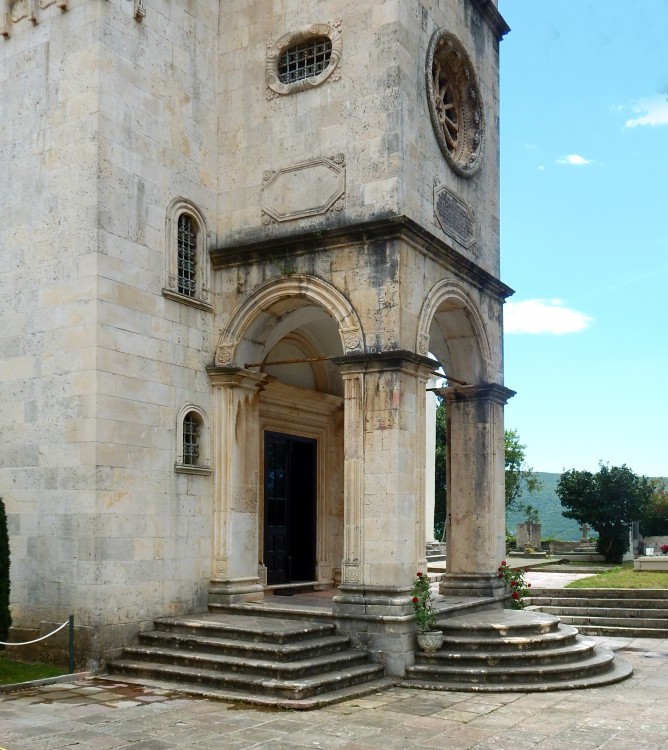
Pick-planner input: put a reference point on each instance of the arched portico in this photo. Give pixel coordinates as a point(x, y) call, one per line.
point(453, 327)
point(276, 390)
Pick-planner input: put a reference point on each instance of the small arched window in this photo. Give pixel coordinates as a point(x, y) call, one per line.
point(191, 439)
point(186, 253)
point(192, 442)
point(186, 259)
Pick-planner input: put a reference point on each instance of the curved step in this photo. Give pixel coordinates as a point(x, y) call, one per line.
point(247, 628)
point(528, 672)
point(580, 648)
point(620, 670)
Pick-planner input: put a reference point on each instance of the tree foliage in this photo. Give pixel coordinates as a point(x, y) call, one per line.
point(655, 519)
point(518, 475)
point(5, 616)
point(608, 501)
point(440, 489)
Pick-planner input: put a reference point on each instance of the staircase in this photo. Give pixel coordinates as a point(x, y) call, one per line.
point(262, 660)
point(514, 651)
point(627, 613)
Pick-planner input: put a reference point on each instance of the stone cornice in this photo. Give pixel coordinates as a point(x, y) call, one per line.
point(490, 13)
point(302, 242)
point(387, 360)
point(494, 392)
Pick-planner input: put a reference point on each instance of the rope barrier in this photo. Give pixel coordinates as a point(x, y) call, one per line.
point(27, 643)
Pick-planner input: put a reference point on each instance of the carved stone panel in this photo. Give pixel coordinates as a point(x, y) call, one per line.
point(305, 189)
point(454, 216)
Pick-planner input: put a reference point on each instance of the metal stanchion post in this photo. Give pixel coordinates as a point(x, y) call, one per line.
point(71, 664)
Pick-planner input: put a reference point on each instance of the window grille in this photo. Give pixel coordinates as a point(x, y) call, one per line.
point(187, 256)
point(306, 60)
point(191, 439)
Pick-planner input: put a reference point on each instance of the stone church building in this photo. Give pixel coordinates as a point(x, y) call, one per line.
point(238, 239)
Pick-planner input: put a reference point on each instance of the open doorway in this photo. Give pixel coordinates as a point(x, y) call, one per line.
point(289, 508)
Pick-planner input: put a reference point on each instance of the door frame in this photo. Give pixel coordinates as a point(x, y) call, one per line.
point(286, 409)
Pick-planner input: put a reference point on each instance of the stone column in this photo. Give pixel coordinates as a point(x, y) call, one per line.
point(431, 404)
point(476, 527)
point(236, 484)
point(384, 480)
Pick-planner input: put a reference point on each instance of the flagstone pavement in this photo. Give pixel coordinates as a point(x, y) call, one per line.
point(95, 714)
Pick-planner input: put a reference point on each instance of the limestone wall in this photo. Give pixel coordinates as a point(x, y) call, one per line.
point(372, 113)
point(108, 120)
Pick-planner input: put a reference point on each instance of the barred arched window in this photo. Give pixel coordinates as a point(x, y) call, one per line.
point(186, 256)
point(192, 442)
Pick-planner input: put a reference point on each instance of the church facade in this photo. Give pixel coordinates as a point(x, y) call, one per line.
point(238, 240)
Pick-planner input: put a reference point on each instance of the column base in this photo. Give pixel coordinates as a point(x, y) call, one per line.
point(237, 590)
point(381, 621)
point(473, 584)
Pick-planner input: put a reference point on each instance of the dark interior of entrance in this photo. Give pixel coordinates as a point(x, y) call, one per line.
point(289, 508)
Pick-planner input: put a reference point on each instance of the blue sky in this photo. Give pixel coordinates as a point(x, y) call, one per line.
point(584, 230)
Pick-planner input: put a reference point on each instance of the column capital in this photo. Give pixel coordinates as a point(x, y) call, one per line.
point(398, 359)
point(493, 392)
point(238, 377)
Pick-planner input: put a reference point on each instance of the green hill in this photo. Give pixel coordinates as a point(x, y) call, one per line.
point(546, 501)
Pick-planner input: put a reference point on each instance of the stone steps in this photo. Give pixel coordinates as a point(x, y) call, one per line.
point(514, 651)
point(626, 613)
point(265, 660)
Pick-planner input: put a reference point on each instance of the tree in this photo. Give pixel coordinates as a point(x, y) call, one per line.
point(5, 616)
point(519, 476)
point(440, 488)
point(655, 519)
point(609, 501)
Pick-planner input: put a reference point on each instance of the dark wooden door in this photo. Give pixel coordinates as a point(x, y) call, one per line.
point(289, 508)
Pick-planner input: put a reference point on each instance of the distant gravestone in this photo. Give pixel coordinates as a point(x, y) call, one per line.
point(528, 535)
point(585, 532)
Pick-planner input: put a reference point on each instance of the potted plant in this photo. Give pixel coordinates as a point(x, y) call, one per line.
point(428, 636)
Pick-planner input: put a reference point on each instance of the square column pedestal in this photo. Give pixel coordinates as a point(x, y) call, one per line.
point(476, 520)
point(384, 447)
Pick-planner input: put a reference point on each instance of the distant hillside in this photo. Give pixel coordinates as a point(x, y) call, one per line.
point(549, 509)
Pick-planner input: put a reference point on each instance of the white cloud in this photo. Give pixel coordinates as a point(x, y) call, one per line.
point(652, 111)
point(543, 316)
point(574, 159)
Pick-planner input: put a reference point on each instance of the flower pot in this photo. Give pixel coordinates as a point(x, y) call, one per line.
point(430, 640)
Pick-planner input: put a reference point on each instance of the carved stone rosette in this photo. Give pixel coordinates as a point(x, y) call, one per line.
point(455, 104)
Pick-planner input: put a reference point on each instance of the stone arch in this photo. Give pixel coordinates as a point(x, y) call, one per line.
point(453, 328)
point(284, 304)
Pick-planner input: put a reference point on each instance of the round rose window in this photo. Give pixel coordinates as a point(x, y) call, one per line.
point(455, 105)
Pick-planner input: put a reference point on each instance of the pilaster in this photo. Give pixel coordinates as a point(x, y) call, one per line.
point(236, 487)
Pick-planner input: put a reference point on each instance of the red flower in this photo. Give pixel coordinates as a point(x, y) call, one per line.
point(500, 570)
point(513, 583)
point(529, 585)
point(415, 600)
point(419, 574)
point(500, 575)
point(503, 562)
point(515, 595)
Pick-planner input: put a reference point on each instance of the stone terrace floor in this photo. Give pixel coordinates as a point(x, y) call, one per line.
point(93, 713)
point(99, 715)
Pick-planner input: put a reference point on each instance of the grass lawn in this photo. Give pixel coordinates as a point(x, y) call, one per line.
point(623, 577)
point(12, 672)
